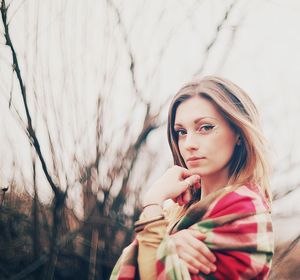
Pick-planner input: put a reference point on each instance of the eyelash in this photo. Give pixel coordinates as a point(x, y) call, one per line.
point(207, 127)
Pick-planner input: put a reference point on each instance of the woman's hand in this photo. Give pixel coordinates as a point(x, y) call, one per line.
point(193, 251)
point(173, 184)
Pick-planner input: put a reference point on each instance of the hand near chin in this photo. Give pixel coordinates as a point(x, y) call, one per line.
point(175, 184)
point(187, 195)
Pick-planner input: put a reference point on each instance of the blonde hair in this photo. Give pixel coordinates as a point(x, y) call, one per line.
point(249, 163)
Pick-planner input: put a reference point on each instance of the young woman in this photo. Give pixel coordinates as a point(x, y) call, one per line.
point(220, 226)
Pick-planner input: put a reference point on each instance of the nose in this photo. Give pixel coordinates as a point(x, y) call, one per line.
point(190, 142)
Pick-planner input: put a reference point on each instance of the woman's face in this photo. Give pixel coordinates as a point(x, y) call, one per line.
point(205, 139)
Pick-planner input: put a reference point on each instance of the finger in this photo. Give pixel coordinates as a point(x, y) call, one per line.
point(189, 259)
point(197, 185)
point(179, 200)
point(197, 251)
point(192, 269)
point(185, 173)
point(195, 263)
point(194, 238)
point(201, 260)
point(204, 261)
point(195, 257)
point(174, 199)
point(203, 268)
point(186, 196)
point(197, 234)
point(190, 181)
point(209, 257)
point(195, 179)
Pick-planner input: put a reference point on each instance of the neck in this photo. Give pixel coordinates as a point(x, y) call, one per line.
point(213, 182)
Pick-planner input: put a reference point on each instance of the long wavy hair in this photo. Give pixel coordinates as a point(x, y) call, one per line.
point(249, 162)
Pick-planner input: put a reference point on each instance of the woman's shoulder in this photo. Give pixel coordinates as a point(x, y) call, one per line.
point(246, 198)
point(255, 194)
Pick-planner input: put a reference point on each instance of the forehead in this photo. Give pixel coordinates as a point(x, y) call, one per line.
point(194, 108)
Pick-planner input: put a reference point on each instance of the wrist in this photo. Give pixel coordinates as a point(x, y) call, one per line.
point(152, 210)
point(153, 197)
point(152, 204)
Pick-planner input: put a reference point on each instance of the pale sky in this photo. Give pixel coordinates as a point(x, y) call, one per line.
point(72, 51)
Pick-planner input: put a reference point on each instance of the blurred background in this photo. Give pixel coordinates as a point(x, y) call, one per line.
point(84, 93)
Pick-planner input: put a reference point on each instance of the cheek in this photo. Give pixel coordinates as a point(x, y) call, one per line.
point(222, 146)
point(180, 148)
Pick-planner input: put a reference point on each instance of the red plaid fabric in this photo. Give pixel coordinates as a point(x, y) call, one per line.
point(238, 228)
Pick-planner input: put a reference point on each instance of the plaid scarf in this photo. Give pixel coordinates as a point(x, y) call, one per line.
point(238, 228)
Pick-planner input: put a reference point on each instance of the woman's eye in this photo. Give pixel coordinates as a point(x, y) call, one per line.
point(180, 132)
point(206, 127)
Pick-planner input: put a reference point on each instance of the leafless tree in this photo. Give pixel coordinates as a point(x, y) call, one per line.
point(105, 173)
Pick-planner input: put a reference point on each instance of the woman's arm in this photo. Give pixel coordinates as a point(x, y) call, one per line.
point(149, 239)
point(172, 185)
point(189, 247)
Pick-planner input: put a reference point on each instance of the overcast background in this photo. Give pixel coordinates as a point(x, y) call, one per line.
point(133, 53)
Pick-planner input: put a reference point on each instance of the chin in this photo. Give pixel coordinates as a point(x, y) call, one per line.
point(202, 172)
point(197, 171)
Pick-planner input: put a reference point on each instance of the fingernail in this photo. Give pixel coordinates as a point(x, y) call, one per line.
point(213, 267)
point(207, 270)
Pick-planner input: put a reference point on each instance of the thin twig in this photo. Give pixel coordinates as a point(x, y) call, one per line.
point(33, 138)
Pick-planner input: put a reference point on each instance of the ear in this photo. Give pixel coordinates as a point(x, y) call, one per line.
point(238, 140)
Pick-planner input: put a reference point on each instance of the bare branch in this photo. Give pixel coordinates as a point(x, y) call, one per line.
point(214, 39)
point(287, 191)
point(16, 10)
point(129, 51)
point(33, 138)
point(286, 252)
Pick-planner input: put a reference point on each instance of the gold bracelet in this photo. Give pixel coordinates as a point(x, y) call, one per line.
point(152, 204)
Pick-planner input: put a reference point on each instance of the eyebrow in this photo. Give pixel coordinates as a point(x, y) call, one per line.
point(197, 120)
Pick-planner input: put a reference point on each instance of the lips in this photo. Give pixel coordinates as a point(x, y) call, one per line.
point(191, 159)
